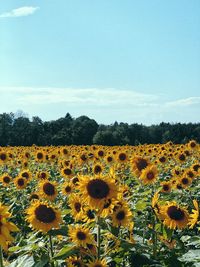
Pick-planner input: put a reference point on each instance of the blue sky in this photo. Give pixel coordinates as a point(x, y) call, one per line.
point(112, 60)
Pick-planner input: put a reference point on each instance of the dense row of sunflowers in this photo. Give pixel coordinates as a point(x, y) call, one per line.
point(100, 206)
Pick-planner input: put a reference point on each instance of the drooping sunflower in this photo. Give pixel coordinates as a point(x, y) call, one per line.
point(88, 215)
point(97, 190)
point(42, 175)
point(48, 190)
point(138, 164)
point(149, 175)
point(6, 227)
point(121, 216)
point(43, 216)
point(76, 205)
point(80, 235)
point(98, 263)
point(194, 216)
point(174, 216)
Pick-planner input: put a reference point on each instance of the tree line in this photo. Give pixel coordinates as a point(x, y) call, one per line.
point(19, 130)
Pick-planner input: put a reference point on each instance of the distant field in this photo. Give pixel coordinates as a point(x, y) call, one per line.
point(100, 206)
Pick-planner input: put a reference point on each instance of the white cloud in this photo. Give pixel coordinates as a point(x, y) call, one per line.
point(89, 96)
point(104, 105)
point(184, 102)
point(19, 12)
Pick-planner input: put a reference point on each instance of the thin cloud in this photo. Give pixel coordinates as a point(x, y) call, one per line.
point(19, 12)
point(184, 102)
point(82, 96)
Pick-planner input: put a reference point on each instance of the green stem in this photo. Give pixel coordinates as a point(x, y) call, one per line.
point(51, 249)
point(154, 237)
point(98, 238)
point(1, 257)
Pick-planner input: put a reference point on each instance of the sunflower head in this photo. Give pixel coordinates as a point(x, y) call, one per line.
point(43, 216)
point(174, 216)
point(96, 190)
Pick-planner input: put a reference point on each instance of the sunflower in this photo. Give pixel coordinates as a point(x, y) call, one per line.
point(174, 216)
point(166, 187)
point(80, 235)
point(42, 175)
point(34, 196)
point(5, 179)
point(138, 164)
point(66, 172)
point(67, 188)
point(185, 181)
point(194, 216)
point(43, 216)
point(98, 263)
point(121, 216)
point(193, 145)
point(88, 215)
point(76, 205)
point(6, 227)
point(97, 190)
point(20, 182)
point(3, 157)
point(149, 174)
point(121, 157)
point(40, 156)
point(26, 174)
point(48, 190)
point(97, 169)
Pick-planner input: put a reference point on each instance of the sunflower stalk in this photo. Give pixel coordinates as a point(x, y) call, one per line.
point(98, 238)
point(51, 249)
point(154, 237)
point(1, 257)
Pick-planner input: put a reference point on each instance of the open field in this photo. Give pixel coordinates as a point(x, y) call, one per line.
point(100, 206)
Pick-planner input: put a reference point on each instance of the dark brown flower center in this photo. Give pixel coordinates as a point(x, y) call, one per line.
point(100, 153)
point(6, 179)
point(3, 156)
point(45, 214)
point(175, 213)
point(67, 171)
point(120, 215)
point(98, 189)
point(49, 189)
point(20, 181)
point(39, 155)
point(150, 175)
point(185, 181)
point(77, 206)
point(97, 169)
point(165, 187)
point(141, 164)
point(90, 214)
point(182, 157)
point(122, 156)
point(68, 189)
point(81, 235)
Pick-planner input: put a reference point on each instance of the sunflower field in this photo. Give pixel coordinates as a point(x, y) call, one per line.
point(98, 206)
